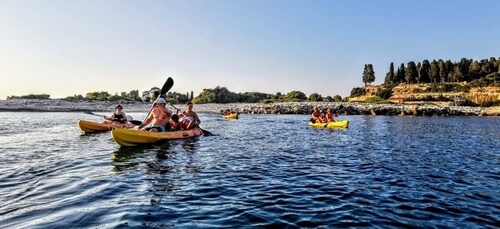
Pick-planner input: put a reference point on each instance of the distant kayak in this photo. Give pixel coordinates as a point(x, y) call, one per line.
point(129, 137)
point(335, 124)
point(94, 127)
point(232, 115)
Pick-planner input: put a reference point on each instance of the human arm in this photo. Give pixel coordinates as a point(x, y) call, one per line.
point(146, 122)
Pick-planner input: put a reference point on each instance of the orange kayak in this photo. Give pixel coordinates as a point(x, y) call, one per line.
point(94, 127)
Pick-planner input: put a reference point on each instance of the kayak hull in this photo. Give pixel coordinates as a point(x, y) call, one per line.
point(232, 116)
point(130, 137)
point(93, 127)
point(335, 124)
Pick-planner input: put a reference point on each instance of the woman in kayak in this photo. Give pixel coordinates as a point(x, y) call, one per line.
point(190, 118)
point(158, 117)
point(330, 115)
point(118, 118)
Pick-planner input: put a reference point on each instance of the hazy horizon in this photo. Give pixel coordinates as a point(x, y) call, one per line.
point(64, 48)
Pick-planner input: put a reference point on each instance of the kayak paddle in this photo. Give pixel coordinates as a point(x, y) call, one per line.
point(135, 122)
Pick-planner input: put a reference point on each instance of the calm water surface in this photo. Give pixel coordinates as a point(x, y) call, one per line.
point(266, 171)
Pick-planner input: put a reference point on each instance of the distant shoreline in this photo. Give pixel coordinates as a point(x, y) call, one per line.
point(346, 108)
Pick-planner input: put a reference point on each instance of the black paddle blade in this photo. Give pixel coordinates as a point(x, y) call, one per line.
point(135, 122)
point(167, 86)
point(206, 132)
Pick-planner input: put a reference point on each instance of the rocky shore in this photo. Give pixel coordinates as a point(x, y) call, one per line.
point(346, 108)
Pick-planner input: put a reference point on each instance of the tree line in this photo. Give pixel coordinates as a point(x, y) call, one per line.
point(215, 95)
point(484, 72)
point(223, 95)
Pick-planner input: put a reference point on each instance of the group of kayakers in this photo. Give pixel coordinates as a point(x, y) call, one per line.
point(159, 119)
point(323, 117)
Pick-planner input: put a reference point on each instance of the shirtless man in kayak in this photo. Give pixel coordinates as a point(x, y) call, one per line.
point(159, 117)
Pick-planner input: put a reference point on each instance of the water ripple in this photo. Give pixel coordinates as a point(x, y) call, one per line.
point(263, 171)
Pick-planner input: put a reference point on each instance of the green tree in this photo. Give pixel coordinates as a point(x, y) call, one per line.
point(474, 70)
point(456, 75)
point(102, 96)
point(357, 91)
point(315, 97)
point(337, 98)
point(443, 72)
point(328, 99)
point(296, 95)
point(134, 95)
point(401, 74)
point(411, 72)
point(425, 72)
point(368, 74)
point(434, 71)
point(146, 96)
point(390, 75)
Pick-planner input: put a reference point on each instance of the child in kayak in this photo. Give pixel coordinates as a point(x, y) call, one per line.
point(175, 124)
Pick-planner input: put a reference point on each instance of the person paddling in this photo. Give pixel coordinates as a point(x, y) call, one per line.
point(118, 118)
point(316, 115)
point(158, 117)
point(330, 115)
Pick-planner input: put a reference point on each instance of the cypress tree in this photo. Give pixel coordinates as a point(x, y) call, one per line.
point(365, 75)
point(411, 72)
point(370, 74)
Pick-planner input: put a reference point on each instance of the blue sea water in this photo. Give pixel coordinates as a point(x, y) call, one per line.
point(264, 171)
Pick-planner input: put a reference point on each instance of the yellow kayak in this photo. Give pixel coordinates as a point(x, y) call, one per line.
point(335, 124)
point(232, 115)
point(131, 137)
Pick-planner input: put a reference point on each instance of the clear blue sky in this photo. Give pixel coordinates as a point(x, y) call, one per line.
point(62, 47)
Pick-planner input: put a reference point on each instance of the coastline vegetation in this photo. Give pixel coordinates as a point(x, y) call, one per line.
point(436, 76)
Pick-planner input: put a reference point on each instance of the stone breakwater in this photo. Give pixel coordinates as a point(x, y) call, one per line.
point(55, 105)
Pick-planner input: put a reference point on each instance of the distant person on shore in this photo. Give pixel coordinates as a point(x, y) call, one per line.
point(159, 117)
point(316, 116)
point(118, 118)
point(189, 118)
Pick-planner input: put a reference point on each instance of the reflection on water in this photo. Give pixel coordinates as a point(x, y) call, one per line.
point(257, 171)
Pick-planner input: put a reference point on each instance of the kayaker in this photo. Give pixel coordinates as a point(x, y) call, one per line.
point(330, 115)
point(190, 118)
point(118, 116)
point(158, 118)
point(175, 124)
point(316, 115)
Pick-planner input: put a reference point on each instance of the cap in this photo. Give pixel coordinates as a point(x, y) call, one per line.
point(160, 100)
